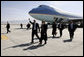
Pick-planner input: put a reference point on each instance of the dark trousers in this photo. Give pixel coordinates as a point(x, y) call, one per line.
point(43, 37)
point(34, 32)
point(53, 32)
point(8, 30)
point(60, 33)
point(71, 35)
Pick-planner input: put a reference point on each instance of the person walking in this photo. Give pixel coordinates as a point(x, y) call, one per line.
point(8, 27)
point(43, 32)
point(35, 27)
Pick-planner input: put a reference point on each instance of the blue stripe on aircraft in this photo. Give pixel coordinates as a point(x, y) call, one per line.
point(43, 9)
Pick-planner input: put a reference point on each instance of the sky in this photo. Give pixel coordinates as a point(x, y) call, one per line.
point(18, 10)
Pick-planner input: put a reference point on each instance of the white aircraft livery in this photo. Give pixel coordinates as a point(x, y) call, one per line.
point(49, 14)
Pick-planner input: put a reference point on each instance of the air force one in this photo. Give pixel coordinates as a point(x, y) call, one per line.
point(50, 14)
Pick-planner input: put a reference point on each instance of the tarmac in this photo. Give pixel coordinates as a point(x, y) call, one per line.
point(17, 43)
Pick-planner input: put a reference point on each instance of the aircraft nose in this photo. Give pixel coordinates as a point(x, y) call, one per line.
point(30, 11)
point(35, 10)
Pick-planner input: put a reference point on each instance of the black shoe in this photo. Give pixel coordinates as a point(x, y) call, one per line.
point(53, 37)
point(7, 32)
point(45, 43)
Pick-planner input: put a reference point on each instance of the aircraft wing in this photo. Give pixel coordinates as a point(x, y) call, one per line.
point(73, 19)
point(76, 19)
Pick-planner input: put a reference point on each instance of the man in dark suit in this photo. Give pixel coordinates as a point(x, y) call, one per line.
point(54, 28)
point(8, 27)
point(60, 27)
point(28, 26)
point(21, 25)
point(35, 27)
point(71, 28)
point(43, 32)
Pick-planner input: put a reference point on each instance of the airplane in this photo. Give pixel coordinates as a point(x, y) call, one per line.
point(50, 14)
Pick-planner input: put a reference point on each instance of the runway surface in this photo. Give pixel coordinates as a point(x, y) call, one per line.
point(17, 43)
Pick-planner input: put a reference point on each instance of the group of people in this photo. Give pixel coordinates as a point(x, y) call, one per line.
point(54, 28)
point(35, 26)
point(28, 26)
point(43, 30)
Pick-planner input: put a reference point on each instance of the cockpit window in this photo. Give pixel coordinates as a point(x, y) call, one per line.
point(43, 6)
point(40, 6)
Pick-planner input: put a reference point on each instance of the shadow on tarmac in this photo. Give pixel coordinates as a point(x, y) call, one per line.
point(23, 45)
point(33, 47)
point(68, 40)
